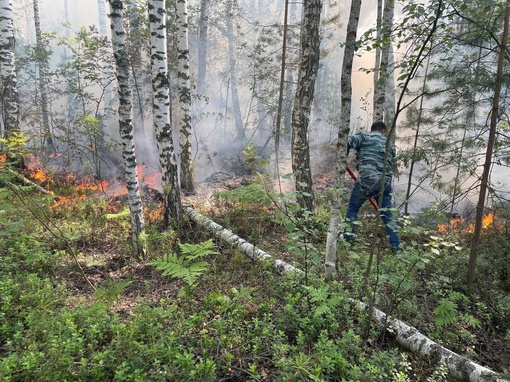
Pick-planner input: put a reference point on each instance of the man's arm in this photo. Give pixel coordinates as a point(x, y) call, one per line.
point(354, 142)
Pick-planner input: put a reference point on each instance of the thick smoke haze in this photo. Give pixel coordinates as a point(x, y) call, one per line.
point(214, 127)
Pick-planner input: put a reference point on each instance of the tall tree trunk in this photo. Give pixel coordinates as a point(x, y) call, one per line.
point(10, 106)
point(184, 89)
point(377, 63)
point(380, 87)
point(101, 11)
point(490, 148)
point(343, 133)
point(203, 28)
point(161, 112)
point(279, 114)
point(126, 126)
point(415, 143)
point(42, 65)
point(137, 85)
point(309, 65)
point(232, 63)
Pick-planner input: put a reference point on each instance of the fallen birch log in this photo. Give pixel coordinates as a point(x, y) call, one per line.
point(411, 339)
point(407, 336)
point(229, 237)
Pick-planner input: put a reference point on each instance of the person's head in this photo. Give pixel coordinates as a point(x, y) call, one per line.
point(379, 126)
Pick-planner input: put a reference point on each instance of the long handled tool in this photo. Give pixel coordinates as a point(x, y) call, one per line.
point(371, 200)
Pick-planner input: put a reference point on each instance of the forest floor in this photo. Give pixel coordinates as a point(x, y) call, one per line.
point(424, 287)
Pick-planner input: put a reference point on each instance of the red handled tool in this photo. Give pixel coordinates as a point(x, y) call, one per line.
point(371, 200)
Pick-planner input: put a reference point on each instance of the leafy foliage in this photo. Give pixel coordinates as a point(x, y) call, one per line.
point(185, 266)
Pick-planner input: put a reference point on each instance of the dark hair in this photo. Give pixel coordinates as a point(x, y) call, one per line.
point(378, 126)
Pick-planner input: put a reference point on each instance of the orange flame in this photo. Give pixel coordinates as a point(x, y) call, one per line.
point(454, 223)
point(487, 221)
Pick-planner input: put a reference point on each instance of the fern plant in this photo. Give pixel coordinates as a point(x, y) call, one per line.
point(186, 265)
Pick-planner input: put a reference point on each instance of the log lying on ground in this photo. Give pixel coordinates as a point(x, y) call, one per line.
point(229, 237)
point(411, 339)
point(407, 336)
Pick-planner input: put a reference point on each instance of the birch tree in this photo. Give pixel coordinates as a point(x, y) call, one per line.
point(343, 132)
point(203, 31)
point(382, 71)
point(161, 111)
point(101, 11)
point(309, 65)
point(126, 126)
point(42, 65)
point(184, 89)
point(10, 107)
point(232, 67)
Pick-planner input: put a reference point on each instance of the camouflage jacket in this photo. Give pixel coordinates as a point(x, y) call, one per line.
point(371, 148)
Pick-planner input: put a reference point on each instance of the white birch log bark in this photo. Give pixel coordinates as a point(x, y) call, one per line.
point(407, 336)
point(308, 67)
point(126, 126)
point(10, 107)
point(161, 112)
point(232, 239)
point(42, 66)
point(343, 132)
point(411, 339)
point(184, 90)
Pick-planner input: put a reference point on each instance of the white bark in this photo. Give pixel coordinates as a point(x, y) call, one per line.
point(203, 27)
point(101, 11)
point(161, 111)
point(232, 64)
point(184, 89)
point(380, 89)
point(232, 239)
point(343, 132)
point(42, 65)
point(407, 336)
point(126, 126)
point(411, 339)
point(10, 107)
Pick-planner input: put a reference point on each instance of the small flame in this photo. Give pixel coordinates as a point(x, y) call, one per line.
point(453, 223)
point(488, 220)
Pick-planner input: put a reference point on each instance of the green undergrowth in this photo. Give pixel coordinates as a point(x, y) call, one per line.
point(229, 318)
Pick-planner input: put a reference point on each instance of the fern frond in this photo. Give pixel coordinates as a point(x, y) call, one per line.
point(195, 251)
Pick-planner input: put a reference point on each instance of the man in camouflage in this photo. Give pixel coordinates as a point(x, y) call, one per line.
point(371, 148)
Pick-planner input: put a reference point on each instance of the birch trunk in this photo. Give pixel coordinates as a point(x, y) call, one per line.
point(484, 182)
point(10, 106)
point(137, 85)
point(203, 30)
point(343, 132)
point(279, 114)
point(308, 68)
point(184, 89)
point(42, 65)
point(126, 126)
point(161, 111)
point(380, 89)
point(232, 63)
point(101, 11)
